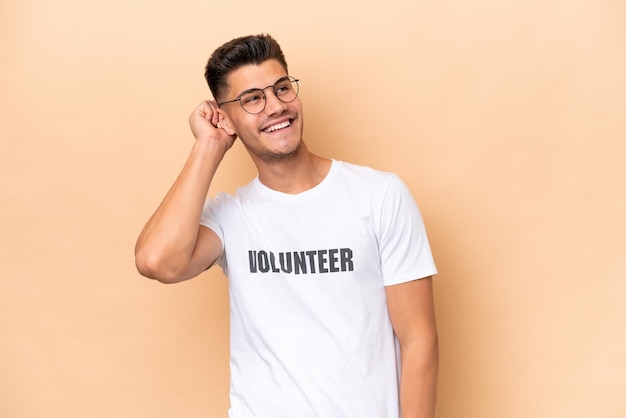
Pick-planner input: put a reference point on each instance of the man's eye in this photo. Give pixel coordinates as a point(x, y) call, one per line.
point(283, 88)
point(251, 98)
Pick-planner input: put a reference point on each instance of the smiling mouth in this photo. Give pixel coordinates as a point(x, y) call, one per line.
point(278, 126)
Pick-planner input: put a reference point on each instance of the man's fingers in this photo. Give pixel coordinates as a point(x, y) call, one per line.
point(212, 113)
point(206, 121)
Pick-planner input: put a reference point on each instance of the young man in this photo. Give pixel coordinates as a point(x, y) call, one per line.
point(328, 262)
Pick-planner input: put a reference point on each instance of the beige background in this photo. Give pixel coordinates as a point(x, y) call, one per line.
point(505, 118)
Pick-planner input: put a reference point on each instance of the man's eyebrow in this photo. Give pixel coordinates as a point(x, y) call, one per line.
point(248, 91)
point(285, 77)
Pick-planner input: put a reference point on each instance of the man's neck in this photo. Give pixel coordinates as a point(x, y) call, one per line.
point(294, 175)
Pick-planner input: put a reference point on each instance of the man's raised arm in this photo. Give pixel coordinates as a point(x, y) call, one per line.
point(172, 246)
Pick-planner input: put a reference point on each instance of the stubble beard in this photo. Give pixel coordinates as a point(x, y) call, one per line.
point(273, 158)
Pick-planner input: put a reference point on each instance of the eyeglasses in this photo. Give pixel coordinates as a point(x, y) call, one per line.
point(253, 101)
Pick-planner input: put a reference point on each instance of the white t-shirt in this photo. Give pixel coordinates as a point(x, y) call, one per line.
point(310, 331)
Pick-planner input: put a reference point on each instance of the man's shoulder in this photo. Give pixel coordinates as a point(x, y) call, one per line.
point(238, 192)
point(364, 172)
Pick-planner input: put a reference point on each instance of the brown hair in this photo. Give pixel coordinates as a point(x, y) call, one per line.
point(253, 49)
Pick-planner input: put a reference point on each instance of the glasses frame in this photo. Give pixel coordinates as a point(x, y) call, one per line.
point(273, 87)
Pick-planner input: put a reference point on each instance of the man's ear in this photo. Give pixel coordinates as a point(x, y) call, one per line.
point(225, 124)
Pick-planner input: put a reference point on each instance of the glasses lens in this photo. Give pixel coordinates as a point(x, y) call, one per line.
point(287, 89)
point(253, 101)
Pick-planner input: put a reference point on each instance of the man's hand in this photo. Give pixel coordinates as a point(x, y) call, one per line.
point(206, 124)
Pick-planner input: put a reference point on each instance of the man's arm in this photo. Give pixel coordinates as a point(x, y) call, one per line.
point(412, 313)
point(173, 246)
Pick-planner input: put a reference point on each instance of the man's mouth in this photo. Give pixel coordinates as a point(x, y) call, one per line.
point(277, 127)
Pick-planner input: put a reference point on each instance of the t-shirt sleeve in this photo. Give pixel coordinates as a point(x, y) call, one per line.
point(404, 248)
point(211, 218)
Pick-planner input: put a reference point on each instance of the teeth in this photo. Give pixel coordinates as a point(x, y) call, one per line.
point(277, 127)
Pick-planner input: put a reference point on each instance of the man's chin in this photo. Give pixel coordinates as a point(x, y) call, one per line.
point(277, 157)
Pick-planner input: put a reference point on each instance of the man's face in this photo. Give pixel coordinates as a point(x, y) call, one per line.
point(274, 134)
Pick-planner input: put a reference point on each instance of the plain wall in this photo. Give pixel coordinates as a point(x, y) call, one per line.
point(505, 118)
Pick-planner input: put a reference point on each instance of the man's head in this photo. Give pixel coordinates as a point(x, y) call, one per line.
point(247, 50)
point(257, 98)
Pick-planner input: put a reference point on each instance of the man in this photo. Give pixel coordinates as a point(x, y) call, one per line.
point(328, 262)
